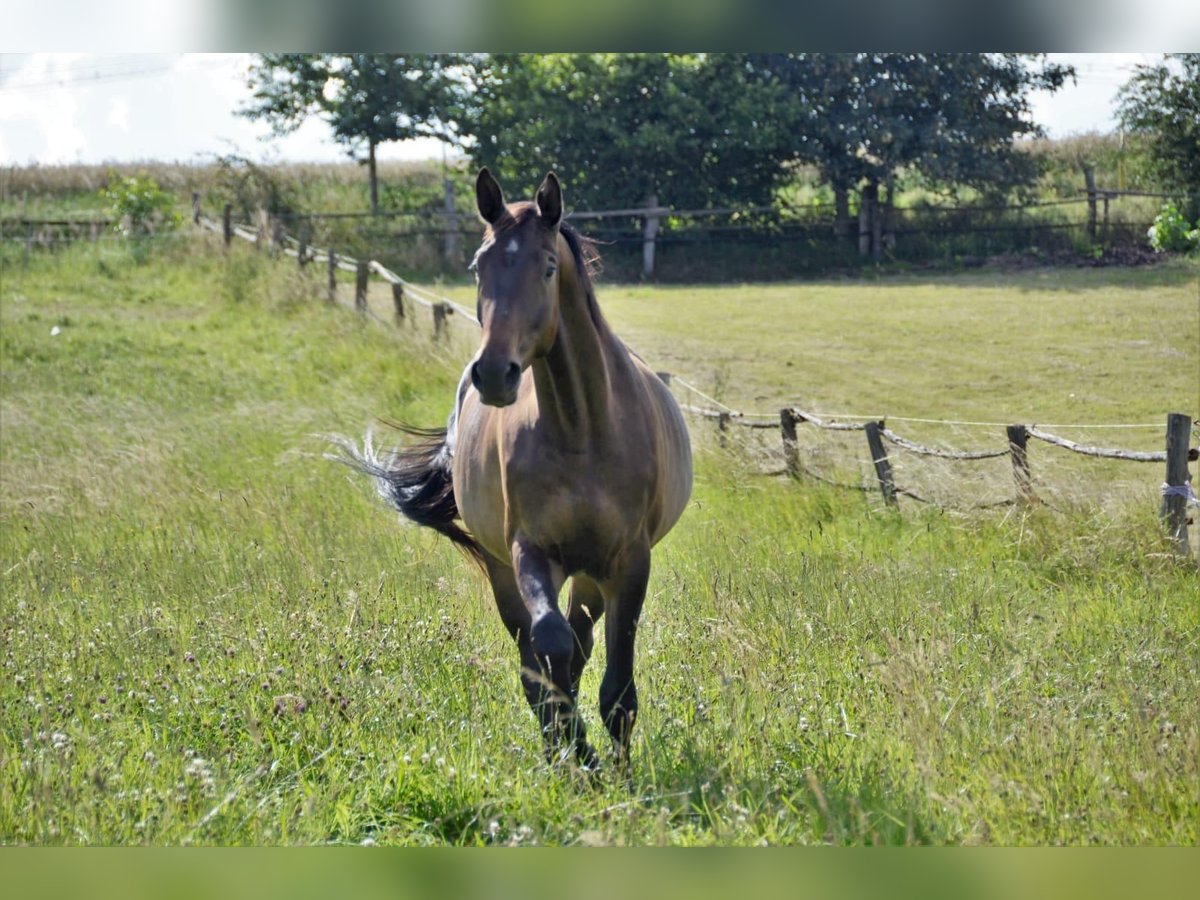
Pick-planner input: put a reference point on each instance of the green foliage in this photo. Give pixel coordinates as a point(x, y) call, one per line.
point(367, 99)
point(140, 206)
point(697, 131)
point(723, 129)
point(1172, 233)
point(1119, 161)
point(951, 116)
point(251, 187)
point(364, 97)
point(1162, 102)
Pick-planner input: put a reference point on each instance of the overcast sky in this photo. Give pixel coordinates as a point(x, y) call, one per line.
point(64, 108)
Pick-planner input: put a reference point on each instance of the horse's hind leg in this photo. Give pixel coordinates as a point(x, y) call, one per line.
point(624, 593)
point(585, 607)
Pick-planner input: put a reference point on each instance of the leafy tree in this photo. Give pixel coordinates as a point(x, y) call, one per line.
point(697, 131)
point(951, 116)
point(366, 98)
point(1162, 103)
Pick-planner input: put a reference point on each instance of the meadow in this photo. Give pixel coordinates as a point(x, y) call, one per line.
point(215, 636)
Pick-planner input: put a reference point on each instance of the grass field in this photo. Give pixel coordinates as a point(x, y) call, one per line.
point(213, 636)
point(1053, 345)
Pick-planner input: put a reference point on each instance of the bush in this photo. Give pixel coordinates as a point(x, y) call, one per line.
point(140, 205)
point(1171, 232)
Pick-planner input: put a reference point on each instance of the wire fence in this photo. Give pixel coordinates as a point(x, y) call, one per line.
point(797, 453)
point(761, 242)
point(786, 442)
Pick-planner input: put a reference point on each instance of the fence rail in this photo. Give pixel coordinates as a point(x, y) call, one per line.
point(658, 240)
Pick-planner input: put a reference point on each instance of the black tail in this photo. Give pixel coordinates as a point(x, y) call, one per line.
point(416, 480)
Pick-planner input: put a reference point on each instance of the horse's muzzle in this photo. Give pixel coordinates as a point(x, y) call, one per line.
point(496, 381)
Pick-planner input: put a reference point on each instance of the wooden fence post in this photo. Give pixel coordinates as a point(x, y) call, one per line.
point(1018, 439)
point(791, 450)
point(723, 420)
point(302, 254)
point(277, 233)
point(332, 276)
point(1176, 490)
point(843, 225)
point(450, 247)
point(876, 228)
point(195, 207)
point(360, 286)
point(398, 299)
point(883, 468)
point(227, 224)
point(1089, 178)
point(887, 220)
point(649, 234)
point(440, 311)
point(868, 214)
point(664, 377)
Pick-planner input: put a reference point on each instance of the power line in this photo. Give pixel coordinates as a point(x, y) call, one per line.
point(97, 77)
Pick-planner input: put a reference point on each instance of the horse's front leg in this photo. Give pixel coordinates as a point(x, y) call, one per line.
point(549, 682)
point(624, 593)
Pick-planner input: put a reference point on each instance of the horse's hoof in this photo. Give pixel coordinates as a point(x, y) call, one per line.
point(587, 757)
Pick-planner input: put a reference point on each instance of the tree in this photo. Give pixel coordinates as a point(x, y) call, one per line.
point(953, 117)
point(366, 98)
point(695, 131)
point(1162, 103)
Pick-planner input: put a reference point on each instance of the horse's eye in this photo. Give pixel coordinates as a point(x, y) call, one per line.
point(550, 272)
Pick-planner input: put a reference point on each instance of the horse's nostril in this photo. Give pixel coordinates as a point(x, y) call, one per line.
point(513, 376)
point(475, 375)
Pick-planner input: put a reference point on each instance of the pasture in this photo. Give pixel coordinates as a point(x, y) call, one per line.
point(213, 635)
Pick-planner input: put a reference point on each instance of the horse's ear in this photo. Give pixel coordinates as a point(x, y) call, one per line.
point(489, 199)
point(550, 201)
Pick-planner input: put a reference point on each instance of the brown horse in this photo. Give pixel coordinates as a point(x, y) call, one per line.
point(565, 457)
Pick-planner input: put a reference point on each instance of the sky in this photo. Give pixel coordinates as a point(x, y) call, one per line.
point(58, 108)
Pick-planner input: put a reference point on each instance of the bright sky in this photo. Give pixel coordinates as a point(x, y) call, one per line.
point(64, 108)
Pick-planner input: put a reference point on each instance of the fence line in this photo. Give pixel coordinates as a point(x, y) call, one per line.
point(874, 228)
point(1177, 494)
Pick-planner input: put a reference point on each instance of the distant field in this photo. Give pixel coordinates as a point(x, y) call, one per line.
point(212, 635)
point(1101, 346)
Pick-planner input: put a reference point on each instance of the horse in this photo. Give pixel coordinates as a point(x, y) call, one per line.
point(565, 457)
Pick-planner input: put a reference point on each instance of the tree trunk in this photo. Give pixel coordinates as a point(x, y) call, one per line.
point(374, 178)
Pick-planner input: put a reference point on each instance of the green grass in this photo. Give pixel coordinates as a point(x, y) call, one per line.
point(213, 636)
point(1101, 346)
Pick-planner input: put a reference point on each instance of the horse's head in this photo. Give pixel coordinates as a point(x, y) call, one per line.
point(516, 270)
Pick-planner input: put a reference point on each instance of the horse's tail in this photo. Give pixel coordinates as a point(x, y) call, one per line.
point(416, 480)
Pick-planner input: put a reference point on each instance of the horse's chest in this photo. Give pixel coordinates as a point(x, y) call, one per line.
point(582, 510)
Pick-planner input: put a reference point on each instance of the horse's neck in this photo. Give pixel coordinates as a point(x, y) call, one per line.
point(572, 380)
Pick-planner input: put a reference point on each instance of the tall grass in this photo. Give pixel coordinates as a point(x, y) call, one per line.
point(213, 636)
